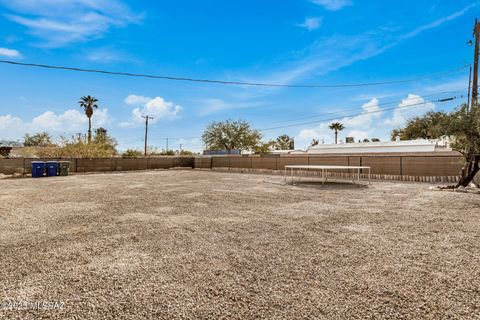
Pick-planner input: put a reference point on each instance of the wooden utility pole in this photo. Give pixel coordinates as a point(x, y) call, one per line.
point(146, 132)
point(476, 34)
point(469, 88)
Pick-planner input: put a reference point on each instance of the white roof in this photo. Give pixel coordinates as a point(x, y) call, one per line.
point(372, 147)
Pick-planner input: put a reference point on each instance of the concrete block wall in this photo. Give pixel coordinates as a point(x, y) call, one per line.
point(405, 166)
point(441, 167)
point(23, 165)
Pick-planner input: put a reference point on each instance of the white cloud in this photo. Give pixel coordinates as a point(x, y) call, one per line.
point(134, 100)
point(10, 53)
point(70, 121)
point(359, 127)
point(157, 108)
point(321, 133)
point(369, 114)
point(438, 22)
point(8, 122)
point(372, 123)
point(61, 22)
point(308, 134)
point(333, 5)
point(404, 112)
point(311, 23)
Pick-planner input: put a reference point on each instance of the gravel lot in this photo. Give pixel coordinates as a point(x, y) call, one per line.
point(198, 244)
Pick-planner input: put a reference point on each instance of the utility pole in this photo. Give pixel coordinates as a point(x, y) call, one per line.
point(476, 34)
point(469, 88)
point(146, 131)
point(180, 149)
point(167, 145)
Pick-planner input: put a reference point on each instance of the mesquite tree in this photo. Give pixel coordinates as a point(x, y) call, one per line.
point(232, 135)
point(464, 128)
point(461, 125)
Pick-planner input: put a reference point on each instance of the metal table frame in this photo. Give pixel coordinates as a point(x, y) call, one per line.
point(355, 170)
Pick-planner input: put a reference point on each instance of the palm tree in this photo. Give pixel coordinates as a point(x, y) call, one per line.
point(336, 126)
point(88, 103)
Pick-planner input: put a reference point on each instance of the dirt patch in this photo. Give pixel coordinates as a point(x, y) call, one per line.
point(200, 244)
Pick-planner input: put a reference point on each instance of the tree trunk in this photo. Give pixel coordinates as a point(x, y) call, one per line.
point(469, 171)
point(336, 137)
point(89, 130)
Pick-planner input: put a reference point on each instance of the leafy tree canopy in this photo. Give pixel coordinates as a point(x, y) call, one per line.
point(42, 139)
point(461, 125)
point(231, 135)
point(432, 125)
point(284, 142)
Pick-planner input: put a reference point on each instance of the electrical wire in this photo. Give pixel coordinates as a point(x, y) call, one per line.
point(348, 116)
point(364, 113)
point(379, 105)
point(224, 82)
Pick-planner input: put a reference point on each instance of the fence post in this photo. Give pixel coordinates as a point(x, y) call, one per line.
point(401, 165)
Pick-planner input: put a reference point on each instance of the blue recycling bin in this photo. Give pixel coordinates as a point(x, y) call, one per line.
point(52, 168)
point(38, 168)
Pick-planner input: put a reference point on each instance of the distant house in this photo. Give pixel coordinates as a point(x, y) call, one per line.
point(287, 152)
point(380, 147)
point(220, 152)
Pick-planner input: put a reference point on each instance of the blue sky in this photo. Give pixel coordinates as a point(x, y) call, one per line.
point(288, 42)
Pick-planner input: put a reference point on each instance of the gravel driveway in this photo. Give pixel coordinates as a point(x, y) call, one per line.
point(199, 244)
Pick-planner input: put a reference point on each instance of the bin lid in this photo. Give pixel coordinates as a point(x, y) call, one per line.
point(38, 162)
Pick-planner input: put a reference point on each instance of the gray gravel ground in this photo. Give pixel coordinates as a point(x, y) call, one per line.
point(197, 244)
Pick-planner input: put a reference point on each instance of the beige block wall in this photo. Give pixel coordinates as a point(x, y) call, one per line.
point(203, 162)
point(241, 162)
point(221, 162)
point(293, 160)
point(11, 166)
point(383, 164)
point(130, 164)
point(431, 166)
point(96, 165)
point(268, 163)
point(160, 163)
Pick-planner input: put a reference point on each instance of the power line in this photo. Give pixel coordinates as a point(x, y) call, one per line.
point(346, 116)
point(224, 82)
point(360, 114)
point(351, 115)
point(379, 105)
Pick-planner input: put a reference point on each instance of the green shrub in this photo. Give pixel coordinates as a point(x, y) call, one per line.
point(131, 153)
